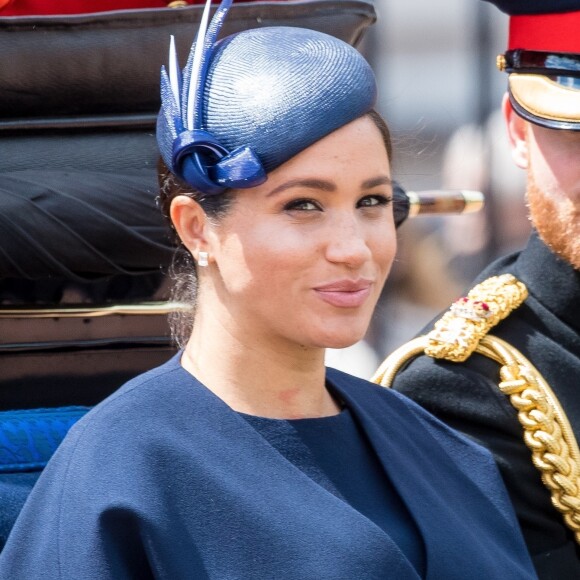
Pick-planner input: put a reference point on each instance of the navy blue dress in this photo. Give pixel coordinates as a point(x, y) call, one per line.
point(335, 452)
point(164, 480)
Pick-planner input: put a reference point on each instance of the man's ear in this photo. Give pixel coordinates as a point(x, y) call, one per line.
point(190, 222)
point(517, 132)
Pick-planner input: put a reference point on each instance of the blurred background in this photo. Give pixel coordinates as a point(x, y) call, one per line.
point(440, 93)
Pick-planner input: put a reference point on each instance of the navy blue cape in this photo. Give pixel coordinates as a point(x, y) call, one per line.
point(164, 480)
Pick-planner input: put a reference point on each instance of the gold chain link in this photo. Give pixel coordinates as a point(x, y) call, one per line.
point(547, 431)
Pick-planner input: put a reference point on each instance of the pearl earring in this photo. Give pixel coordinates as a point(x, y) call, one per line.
point(202, 259)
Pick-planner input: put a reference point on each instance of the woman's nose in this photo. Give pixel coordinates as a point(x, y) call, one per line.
point(347, 243)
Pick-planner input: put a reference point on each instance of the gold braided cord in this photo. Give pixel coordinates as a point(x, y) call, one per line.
point(547, 431)
point(385, 374)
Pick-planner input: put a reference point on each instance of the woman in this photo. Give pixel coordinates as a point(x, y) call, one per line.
point(243, 457)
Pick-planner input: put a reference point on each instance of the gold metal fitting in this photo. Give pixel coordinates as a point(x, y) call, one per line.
point(414, 203)
point(444, 202)
point(474, 201)
point(177, 4)
point(500, 62)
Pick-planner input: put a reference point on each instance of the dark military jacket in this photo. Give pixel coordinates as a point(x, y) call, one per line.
point(545, 328)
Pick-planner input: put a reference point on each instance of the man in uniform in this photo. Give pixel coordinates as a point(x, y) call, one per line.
point(523, 313)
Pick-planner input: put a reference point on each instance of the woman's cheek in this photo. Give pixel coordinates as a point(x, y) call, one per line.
point(384, 248)
point(287, 245)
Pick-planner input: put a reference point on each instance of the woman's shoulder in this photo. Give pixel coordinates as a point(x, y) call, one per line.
point(141, 407)
point(152, 387)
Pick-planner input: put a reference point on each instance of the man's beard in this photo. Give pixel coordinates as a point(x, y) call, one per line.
point(556, 218)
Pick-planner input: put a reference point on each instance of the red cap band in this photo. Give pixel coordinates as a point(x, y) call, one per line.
point(546, 32)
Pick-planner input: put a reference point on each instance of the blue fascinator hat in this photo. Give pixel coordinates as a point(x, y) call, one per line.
point(243, 106)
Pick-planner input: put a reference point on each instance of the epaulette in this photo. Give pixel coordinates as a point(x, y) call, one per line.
point(458, 332)
point(465, 329)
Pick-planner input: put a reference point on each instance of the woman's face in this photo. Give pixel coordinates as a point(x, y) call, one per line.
point(303, 257)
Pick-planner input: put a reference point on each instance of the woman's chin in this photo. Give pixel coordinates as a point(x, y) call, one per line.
point(342, 340)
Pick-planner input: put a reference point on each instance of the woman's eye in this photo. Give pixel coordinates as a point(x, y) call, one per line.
point(374, 200)
point(302, 205)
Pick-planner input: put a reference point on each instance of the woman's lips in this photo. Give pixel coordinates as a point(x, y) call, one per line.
point(345, 293)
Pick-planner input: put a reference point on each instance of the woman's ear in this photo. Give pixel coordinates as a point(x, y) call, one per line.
point(190, 222)
point(517, 133)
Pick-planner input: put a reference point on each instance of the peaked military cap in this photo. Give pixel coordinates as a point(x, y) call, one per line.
point(543, 61)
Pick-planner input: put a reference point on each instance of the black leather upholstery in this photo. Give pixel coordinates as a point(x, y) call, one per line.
point(108, 64)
